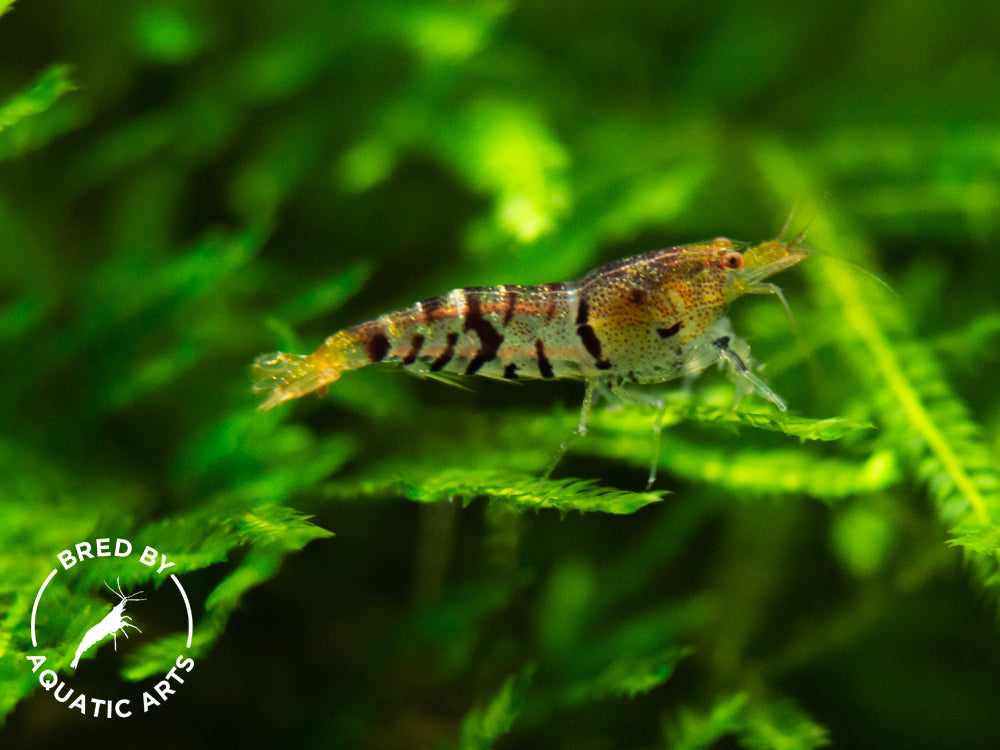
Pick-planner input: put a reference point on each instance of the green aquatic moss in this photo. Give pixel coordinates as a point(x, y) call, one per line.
point(184, 186)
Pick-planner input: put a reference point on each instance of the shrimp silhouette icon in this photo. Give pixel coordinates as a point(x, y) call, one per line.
point(113, 621)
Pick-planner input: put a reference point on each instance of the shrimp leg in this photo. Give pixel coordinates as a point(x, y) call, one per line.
point(579, 432)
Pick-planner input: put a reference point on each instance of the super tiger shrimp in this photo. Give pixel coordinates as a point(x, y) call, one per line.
point(639, 321)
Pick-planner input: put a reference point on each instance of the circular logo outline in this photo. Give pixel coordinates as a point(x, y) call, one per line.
point(110, 624)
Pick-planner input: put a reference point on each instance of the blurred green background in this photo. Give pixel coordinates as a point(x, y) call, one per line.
point(184, 185)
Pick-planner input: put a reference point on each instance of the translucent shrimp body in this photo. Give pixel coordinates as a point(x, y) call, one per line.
point(642, 320)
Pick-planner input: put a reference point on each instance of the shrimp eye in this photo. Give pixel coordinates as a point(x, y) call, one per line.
point(732, 261)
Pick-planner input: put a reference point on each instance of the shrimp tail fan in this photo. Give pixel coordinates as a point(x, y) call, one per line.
point(283, 376)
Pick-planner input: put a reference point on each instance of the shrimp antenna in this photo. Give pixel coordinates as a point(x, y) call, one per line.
point(791, 215)
point(816, 251)
point(788, 221)
point(860, 269)
point(121, 594)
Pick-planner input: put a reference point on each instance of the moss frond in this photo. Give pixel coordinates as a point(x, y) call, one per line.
point(517, 492)
point(52, 84)
point(754, 723)
point(486, 723)
point(924, 421)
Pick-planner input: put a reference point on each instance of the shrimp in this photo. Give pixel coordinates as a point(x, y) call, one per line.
point(643, 320)
point(112, 622)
